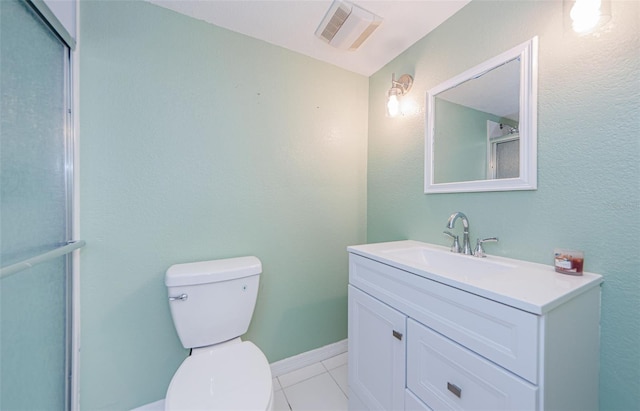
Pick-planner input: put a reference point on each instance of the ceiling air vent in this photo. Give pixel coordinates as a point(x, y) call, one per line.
point(346, 26)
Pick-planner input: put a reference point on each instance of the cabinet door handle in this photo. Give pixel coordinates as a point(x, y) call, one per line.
point(397, 334)
point(457, 391)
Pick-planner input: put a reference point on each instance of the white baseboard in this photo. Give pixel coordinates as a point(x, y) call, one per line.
point(307, 358)
point(281, 367)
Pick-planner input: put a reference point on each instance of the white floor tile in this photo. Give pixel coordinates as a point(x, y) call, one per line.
point(280, 402)
point(302, 374)
point(319, 393)
point(336, 361)
point(340, 376)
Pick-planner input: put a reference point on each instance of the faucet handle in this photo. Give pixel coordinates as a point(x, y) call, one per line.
point(455, 247)
point(479, 251)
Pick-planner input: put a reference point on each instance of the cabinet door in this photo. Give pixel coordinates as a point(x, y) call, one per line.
point(376, 354)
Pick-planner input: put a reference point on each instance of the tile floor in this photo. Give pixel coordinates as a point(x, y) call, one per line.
point(318, 387)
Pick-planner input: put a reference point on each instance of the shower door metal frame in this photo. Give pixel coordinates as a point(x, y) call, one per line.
point(51, 22)
point(69, 140)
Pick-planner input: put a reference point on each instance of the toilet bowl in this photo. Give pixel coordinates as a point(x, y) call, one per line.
point(234, 377)
point(212, 303)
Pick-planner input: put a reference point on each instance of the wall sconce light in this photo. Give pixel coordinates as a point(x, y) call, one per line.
point(398, 89)
point(586, 15)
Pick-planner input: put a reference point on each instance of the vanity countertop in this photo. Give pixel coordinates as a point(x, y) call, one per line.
point(532, 287)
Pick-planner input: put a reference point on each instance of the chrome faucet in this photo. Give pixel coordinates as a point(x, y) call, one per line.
point(466, 247)
point(479, 251)
point(455, 246)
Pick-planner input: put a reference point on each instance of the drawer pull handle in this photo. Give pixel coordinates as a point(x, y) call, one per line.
point(457, 391)
point(397, 335)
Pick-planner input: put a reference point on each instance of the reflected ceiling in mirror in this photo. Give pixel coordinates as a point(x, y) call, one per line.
point(481, 126)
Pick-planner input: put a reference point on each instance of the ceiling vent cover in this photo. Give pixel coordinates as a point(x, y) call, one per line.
point(346, 26)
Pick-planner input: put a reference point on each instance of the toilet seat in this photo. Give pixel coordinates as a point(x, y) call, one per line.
point(232, 377)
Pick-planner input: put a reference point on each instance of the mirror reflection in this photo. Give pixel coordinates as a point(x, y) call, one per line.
point(477, 127)
point(481, 126)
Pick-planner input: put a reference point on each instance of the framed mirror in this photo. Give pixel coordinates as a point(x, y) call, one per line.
point(482, 126)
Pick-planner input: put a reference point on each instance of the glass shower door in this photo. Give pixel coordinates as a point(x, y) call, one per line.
point(34, 211)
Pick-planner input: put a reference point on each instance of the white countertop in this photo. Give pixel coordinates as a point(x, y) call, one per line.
point(532, 287)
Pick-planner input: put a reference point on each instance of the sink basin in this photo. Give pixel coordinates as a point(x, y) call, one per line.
point(437, 261)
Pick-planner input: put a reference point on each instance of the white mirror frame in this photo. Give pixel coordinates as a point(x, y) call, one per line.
point(528, 53)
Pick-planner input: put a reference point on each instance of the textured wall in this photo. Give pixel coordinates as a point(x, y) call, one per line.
point(198, 143)
point(588, 169)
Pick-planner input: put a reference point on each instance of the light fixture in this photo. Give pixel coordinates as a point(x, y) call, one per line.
point(398, 89)
point(586, 15)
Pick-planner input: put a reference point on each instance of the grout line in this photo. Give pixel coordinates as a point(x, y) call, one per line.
point(287, 399)
point(327, 371)
point(334, 380)
point(307, 378)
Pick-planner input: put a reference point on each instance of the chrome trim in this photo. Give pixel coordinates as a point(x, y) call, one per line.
point(49, 255)
point(52, 21)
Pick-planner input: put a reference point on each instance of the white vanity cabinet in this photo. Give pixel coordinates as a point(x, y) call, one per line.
point(379, 362)
point(423, 338)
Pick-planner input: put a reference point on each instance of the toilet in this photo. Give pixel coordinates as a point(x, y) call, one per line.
point(212, 303)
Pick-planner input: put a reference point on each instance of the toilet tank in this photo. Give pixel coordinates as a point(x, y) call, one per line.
point(213, 301)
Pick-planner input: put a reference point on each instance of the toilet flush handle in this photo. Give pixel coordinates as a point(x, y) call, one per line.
point(181, 297)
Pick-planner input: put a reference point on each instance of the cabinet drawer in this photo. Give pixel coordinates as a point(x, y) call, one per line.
point(445, 375)
point(503, 334)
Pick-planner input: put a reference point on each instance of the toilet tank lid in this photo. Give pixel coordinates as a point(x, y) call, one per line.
point(213, 271)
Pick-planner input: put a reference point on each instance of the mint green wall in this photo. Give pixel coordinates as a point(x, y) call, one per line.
point(588, 168)
point(198, 143)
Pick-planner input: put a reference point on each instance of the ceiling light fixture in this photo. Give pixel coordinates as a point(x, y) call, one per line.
point(586, 15)
point(398, 89)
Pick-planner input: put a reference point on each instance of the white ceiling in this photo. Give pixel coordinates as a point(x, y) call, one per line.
point(292, 24)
